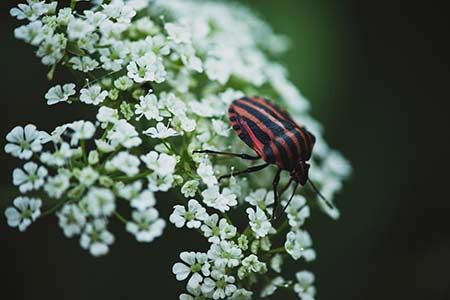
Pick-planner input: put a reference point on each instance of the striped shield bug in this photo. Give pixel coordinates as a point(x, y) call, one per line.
point(276, 138)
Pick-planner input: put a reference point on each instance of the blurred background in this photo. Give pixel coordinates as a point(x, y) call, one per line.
point(377, 76)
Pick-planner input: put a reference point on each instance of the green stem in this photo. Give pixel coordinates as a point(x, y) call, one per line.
point(72, 4)
point(119, 216)
point(132, 178)
point(278, 250)
point(53, 209)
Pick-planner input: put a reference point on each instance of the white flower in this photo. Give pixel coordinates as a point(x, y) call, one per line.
point(88, 176)
point(100, 202)
point(195, 263)
point(147, 68)
point(83, 64)
point(32, 179)
point(158, 182)
point(129, 191)
point(107, 115)
point(220, 201)
point(217, 232)
point(220, 127)
point(189, 188)
point(206, 172)
point(262, 199)
point(93, 95)
point(71, 220)
point(23, 141)
point(217, 70)
point(144, 200)
point(125, 134)
point(52, 48)
point(241, 294)
point(252, 264)
point(113, 58)
point(272, 286)
point(276, 262)
point(124, 162)
point(60, 94)
point(32, 11)
point(178, 33)
point(146, 225)
point(161, 163)
point(59, 157)
point(82, 130)
point(94, 18)
point(304, 285)
point(123, 83)
point(186, 123)
point(160, 132)
point(24, 212)
point(32, 33)
point(78, 28)
point(123, 13)
point(298, 244)
point(148, 107)
point(219, 285)
point(96, 238)
point(57, 185)
point(297, 211)
point(225, 254)
point(259, 222)
point(191, 217)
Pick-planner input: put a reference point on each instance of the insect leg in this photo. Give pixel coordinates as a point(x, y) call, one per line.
point(276, 180)
point(285, 187)
point(292, 196)
point(248, 170)
point(243, 155)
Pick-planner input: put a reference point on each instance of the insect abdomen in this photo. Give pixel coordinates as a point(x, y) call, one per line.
point(270, 132)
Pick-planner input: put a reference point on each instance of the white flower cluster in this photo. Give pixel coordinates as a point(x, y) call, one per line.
point(161, 75)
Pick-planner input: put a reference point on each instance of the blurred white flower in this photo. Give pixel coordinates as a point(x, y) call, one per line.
point(96, 238)
point(100, 202)
point(30, 178)
point(161, 163)
point(298, 244)
point(146, 225)
point(304, 285)
point(124, 162)
point(71, 219)
point(24, 212)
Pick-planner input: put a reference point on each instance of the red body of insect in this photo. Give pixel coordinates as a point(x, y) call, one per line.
point(274, 136)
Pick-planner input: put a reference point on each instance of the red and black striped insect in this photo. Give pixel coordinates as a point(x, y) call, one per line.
point(276, 138)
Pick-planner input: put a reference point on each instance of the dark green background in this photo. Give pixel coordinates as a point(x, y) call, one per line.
point(377, 77)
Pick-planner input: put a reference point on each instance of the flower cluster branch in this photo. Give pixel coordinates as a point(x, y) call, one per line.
point(161, 75)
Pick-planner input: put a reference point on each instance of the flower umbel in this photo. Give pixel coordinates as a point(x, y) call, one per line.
point(160, 76)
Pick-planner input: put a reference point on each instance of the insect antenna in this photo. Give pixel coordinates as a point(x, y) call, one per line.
point(328, 203)
point(292, 196)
